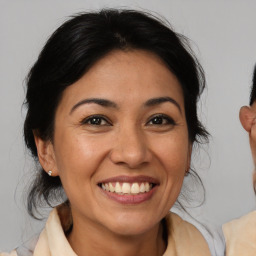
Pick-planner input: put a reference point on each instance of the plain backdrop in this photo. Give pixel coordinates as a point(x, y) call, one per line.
point(223, 36)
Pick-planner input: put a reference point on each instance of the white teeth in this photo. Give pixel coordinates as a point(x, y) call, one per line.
point(127, 188)
point(142, 188)
point(135, 189)
point(111, 187)
point(118, 188)
point(147, 187)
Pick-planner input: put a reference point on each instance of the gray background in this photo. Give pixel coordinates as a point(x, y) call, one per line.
point(223, 37)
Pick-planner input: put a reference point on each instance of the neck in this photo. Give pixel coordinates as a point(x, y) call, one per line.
point(88, 238)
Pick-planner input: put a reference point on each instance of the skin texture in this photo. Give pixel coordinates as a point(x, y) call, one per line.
point(127, 141)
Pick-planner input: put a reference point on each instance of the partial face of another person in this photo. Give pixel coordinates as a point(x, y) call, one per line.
point(121, 145)
point(248, 121)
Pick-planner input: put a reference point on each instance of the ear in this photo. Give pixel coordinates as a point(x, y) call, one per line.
point(46, 156)
point(247, 117)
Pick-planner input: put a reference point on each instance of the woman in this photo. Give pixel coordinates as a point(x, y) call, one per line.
point(112, 118)
point(240, 234)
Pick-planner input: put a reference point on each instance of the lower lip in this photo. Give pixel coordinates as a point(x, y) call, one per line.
point(130, 199)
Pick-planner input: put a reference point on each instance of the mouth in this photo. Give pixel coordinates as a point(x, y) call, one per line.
point(125, 188)
point(129, 190)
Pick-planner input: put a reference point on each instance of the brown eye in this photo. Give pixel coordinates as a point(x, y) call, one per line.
point(157, 120)
point(161, 120)
point(96, 120)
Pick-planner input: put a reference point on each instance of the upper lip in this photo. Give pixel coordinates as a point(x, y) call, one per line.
point(130, 179)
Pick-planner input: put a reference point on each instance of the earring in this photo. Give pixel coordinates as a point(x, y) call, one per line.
point(50, 173)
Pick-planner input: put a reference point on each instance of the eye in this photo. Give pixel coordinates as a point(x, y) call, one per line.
point(161, 120)
point(96, 120)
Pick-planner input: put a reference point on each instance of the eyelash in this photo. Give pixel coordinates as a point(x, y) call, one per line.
point(169, 120)
point(99, 118)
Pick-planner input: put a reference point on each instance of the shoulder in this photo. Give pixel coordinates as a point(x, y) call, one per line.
point(51, 238)
point(240, 235)
point(246, 221)
point(182, 232)
point(13, 253)
point(182, 227)
point(26, 249)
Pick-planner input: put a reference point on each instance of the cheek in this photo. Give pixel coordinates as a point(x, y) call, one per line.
point(78, 159)
point(173, 152)
point(78, 156)
point(173, 155)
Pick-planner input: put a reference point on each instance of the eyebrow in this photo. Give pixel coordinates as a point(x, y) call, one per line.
point(160, 100)
point(110, 104)
point(101, 102)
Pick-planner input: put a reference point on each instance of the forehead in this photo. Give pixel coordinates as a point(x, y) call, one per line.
point(126, 76)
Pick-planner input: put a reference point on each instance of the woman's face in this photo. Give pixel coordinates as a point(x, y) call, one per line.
point(121, 144)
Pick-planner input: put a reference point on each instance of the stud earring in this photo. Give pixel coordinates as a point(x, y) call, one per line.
point(50, 173)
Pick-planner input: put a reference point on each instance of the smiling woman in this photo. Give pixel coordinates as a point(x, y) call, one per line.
point(105, 153)
point(112, 118)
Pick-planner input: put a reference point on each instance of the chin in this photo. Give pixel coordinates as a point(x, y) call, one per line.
point(132, 224)
point(130, 230)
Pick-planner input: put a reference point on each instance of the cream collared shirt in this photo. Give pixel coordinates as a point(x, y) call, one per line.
point(240, 236)
point(183, 240)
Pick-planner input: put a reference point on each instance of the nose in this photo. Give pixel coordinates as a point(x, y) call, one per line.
point(130, 148)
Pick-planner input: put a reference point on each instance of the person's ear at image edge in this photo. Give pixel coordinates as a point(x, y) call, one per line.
point(247, 116)
point(46, 155)
point(248, 120)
